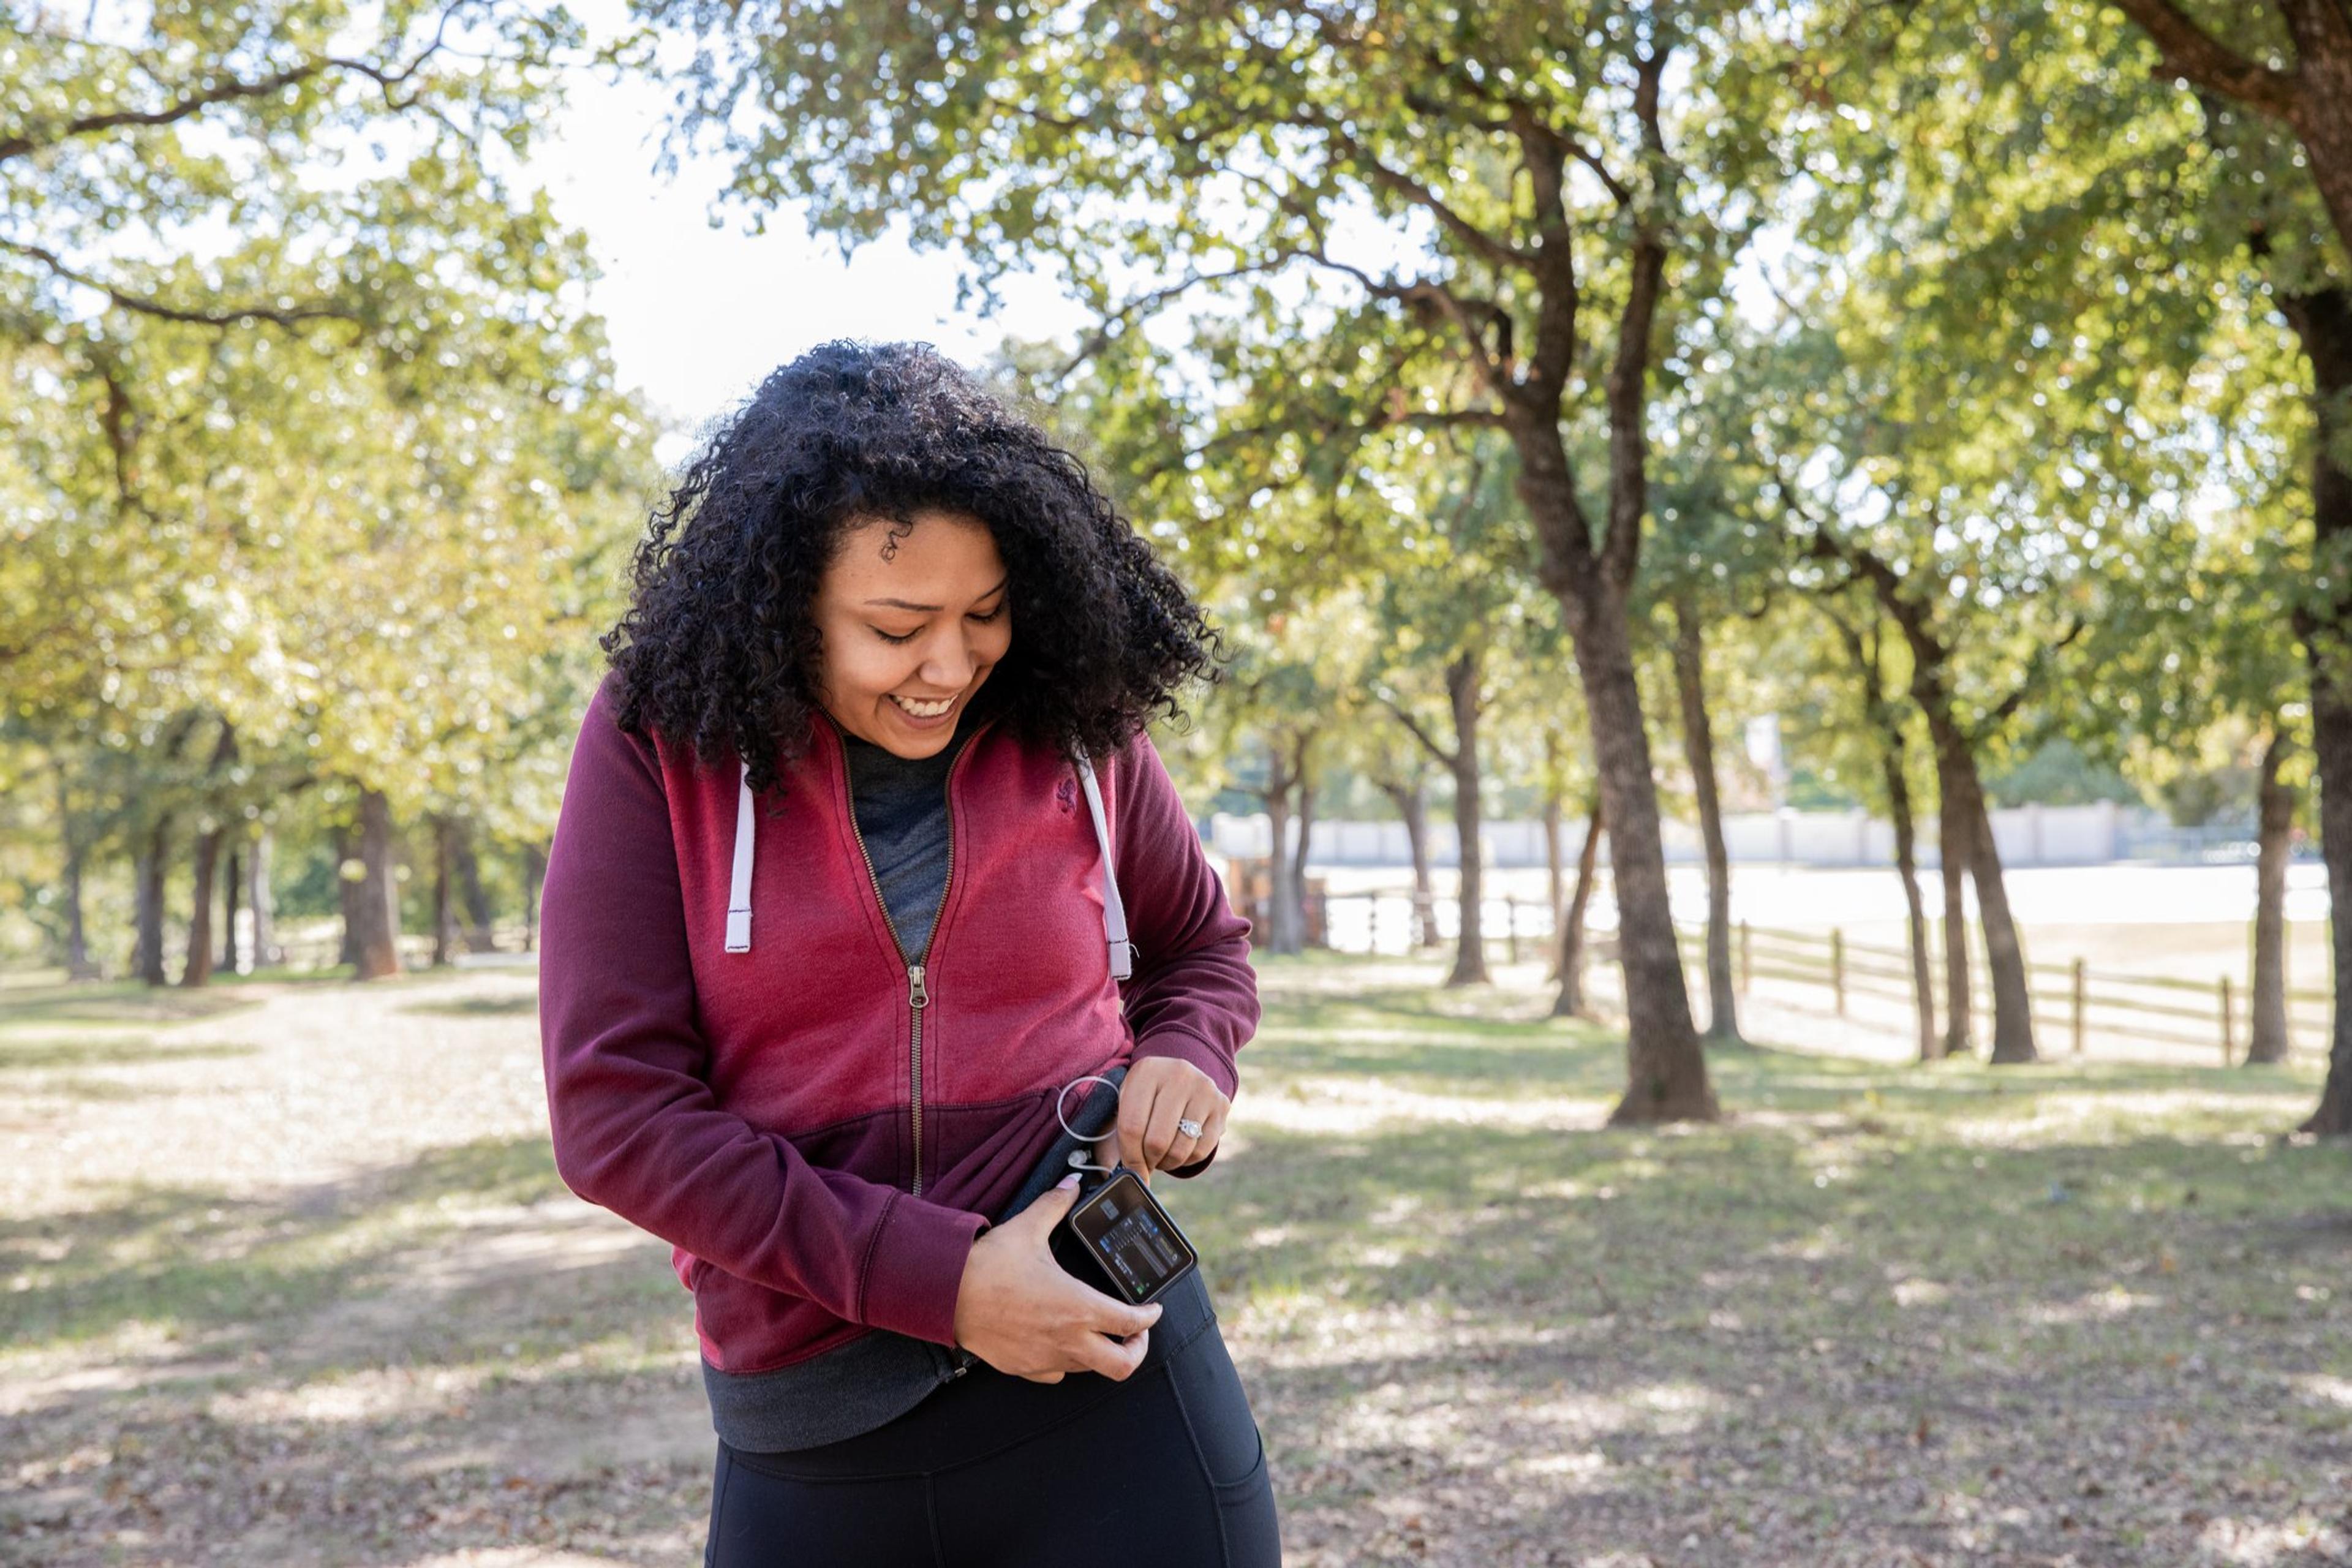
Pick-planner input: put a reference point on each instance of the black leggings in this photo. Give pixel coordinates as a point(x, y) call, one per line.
point(1164, 1469)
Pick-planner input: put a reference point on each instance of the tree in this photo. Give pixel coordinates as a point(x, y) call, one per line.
point(1713, 566)
point(1443, 571)
point(1538, 175)
point(1859, 630)
point(342, 484)
point(1398, 766)
point(2011, 452)
point(2294, 83)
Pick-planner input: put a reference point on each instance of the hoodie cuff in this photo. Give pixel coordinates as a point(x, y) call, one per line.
point(914, 1269)
point(1185, 1045)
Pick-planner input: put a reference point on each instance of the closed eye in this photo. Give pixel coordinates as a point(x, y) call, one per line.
point(989, 619)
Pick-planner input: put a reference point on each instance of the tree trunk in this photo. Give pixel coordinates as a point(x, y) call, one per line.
point(2331, 745)
point(2323, 322)
point(1592, 573)
point(1284, 935)
point(445, 904)
point(1555, 872)
point(534, 874)
point(1554, 865)
point(479, 917)
point(198, 968)
point(347, 892)
point(264, 904)
point(79, 965)
point(1571, 1002)
point(1305, 831)
point(375, 906)
point(1462, 697)
point(148, 870)
point(2012, 1005)
point(1411, 802)
point(230, 885)
point(2267, 1038)
point(1698, 749)
point(1906, 866)
point(1959, 1011)
point(1667, 1077)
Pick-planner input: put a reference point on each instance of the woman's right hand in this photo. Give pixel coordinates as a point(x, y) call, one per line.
point(1020, 1311)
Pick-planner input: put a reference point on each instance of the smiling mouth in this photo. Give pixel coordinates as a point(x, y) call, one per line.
point(924, 709)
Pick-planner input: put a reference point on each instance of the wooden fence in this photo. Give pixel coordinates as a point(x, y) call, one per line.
point(2070, 1000)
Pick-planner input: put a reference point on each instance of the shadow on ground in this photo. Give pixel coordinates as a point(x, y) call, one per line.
point(442, 1353)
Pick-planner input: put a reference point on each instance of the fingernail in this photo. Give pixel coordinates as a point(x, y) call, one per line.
point(1069, 1181)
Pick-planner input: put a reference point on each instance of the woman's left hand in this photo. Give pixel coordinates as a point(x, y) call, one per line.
point(1156, 1093)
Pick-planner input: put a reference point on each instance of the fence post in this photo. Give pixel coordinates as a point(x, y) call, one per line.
point(1747, 962)
point(2079, 999)
point(1837, 967)
point(2228, 1044)
point(1511, 925)
point(1372, 922)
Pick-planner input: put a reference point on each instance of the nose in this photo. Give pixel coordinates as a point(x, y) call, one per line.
point(948, 661)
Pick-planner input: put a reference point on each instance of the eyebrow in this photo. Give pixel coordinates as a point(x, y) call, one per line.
point(929, 609)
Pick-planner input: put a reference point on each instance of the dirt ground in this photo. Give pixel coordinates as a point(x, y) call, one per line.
point(289, 1277)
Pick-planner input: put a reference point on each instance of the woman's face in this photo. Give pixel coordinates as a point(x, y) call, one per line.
point(910, 617)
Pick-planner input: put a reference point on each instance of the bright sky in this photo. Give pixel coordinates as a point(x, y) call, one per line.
point(699, 315)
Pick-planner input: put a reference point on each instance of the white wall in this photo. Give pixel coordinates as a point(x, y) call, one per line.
point(2025, 835)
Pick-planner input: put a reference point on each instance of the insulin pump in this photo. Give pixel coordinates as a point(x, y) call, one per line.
point(1117, 1233)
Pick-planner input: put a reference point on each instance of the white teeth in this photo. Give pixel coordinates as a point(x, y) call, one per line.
point(924, 709)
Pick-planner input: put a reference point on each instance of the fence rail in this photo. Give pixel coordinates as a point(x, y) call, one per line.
point(2109, 1003)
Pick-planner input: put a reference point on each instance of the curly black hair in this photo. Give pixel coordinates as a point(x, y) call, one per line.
point(719, 649)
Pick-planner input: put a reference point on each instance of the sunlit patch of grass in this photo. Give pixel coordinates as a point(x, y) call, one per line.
point(18, 1055)
point(480, 1006)
point(123, 1005)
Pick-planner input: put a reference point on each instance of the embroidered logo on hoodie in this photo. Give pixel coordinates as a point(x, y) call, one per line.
point(1067, 794)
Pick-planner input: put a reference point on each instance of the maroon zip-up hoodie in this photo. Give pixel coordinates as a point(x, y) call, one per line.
point(818, 1133)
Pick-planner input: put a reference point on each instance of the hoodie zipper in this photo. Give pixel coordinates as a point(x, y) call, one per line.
point(919, 996)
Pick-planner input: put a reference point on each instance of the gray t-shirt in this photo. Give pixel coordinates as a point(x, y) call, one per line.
point(901, 805)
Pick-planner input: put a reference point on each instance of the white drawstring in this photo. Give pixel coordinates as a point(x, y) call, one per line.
point(739, 887)
point(1122, 951)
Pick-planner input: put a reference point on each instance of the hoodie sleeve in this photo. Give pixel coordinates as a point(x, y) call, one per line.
point(635, 1127)
point(1193, 994)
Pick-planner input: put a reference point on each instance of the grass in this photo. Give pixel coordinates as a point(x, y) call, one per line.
point(1995, 1286)
point(2069, 1314)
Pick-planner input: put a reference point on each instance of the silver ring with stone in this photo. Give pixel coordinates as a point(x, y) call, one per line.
point(1187, 1126)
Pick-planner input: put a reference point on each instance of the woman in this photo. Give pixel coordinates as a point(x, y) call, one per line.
point(866, 872)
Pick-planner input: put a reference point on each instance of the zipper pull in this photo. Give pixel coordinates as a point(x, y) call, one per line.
point(917, 997)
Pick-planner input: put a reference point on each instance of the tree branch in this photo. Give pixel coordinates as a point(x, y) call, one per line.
point(147, 305)
point(1491, 248)
point(228, 90)
point(1543, 152)
point(1617, 189)
point(1429, 294)
point(2010, 704)
point(2191, 52)
point(237, 89)
point(1445, 755)
point(1099, 337)
point(1628, 385)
